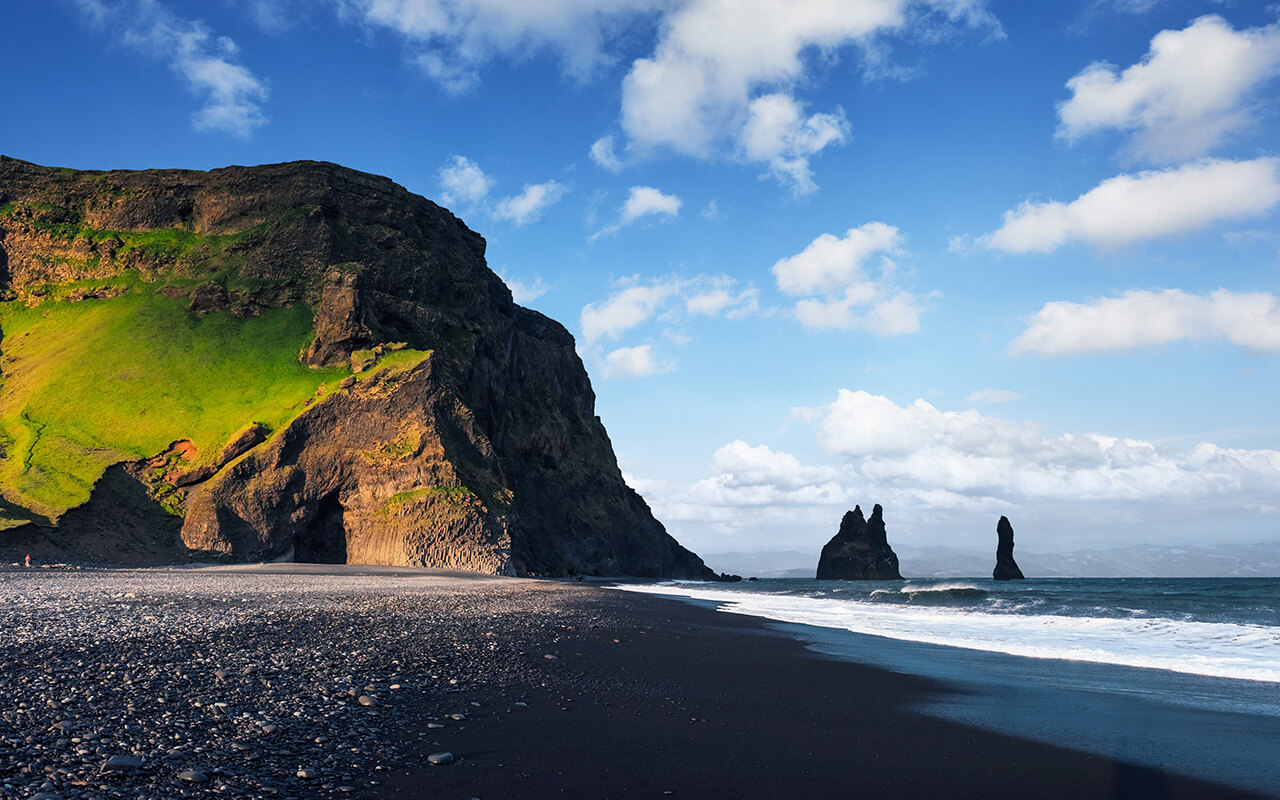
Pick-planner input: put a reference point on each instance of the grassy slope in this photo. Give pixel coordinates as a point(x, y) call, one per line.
point(92, 383)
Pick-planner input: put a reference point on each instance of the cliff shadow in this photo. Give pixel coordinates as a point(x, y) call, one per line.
point(324, 539)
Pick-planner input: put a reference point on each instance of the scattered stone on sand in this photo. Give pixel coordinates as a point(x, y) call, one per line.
point(440, 759)
point(131, 684)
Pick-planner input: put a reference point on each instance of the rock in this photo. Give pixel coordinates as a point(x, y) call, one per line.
point(860, 550)
point(486, 455)
point(440, 759)
point(244, 441)
point(366, 700)
point(207, 297)
point(347, 382)
point(307, 773)
point(122, 764)
point(193, 776)
point(1006, 568)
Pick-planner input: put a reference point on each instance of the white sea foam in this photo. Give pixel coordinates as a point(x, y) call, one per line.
point(1218, 649)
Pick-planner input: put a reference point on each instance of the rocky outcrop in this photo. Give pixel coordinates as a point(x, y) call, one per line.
point(860, 550)
point(485, 453)
point(1006, 568)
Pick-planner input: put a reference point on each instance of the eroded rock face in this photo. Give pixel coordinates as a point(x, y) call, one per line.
point(860, 550)
point(1006, 568)
point(486, 456)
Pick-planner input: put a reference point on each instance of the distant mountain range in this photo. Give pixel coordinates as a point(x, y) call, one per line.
point(1134, 561)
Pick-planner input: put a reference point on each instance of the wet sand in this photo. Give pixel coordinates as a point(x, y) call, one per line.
point(669, 699)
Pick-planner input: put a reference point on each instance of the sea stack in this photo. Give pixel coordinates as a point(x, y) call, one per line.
point(860, 551)
point(1006, 568)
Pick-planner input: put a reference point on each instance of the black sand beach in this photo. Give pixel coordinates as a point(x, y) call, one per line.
point(291, 681)
point(680, 700)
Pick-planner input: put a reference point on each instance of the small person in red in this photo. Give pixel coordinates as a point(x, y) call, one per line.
point(28, 559)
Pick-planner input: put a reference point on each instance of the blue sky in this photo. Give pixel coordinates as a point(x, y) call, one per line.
point(960, 258)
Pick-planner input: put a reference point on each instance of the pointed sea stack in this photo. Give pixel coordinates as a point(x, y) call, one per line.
point(1006, 568)
point(860, 551)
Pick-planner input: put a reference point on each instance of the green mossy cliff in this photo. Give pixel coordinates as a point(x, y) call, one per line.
point(293, 361)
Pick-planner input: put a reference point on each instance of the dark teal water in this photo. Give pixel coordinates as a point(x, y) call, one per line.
point(1180, 674)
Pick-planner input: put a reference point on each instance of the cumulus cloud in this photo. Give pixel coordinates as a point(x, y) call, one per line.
point(717, 80)
point(1142, 318)
point(452, 40)
point(633, 362)
point(624, 309)
point(1192, 89)
point(918, 459)
point(839, 293)
point(641, 202)
point(462, 181)
point(528, 206)
point(1145, 205)
point(524, 292)
point(778, 133)
point(994, 396)
point(603, 154)
point(209, 64)
point(671, 301)
point(971, 454)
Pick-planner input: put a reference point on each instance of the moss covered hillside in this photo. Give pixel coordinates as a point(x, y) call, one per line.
point(290, 362)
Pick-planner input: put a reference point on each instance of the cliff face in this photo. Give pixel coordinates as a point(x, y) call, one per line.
point(860, 550)
point(408, 412)
point(1006, 568)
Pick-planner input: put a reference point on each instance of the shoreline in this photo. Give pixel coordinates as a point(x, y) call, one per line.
point(677, 699)
point(254, 679)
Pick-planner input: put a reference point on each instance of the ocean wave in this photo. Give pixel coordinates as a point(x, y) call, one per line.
point(938, 594)
point(1218, 649)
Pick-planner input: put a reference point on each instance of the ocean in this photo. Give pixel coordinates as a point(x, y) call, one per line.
point(1180, 673)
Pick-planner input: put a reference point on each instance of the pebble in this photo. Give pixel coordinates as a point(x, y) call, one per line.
point(440, 759)
point(366, 700)
point(121, 764)
point(238, 677)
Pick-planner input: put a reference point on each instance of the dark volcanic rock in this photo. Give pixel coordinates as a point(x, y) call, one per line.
point(487, 456)
point(860, 551)
point(1006, 568)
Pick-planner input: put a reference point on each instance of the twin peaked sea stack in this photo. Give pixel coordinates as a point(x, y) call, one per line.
point(290, 362)
point(860, 551)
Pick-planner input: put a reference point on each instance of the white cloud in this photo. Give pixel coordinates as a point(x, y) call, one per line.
point(207, 63)
point(624, 310)
point(720, 295)
point(451, 40)
point(1192, 89)
point(1147, 318)
point(462, 181)
point(843, 295)
point(1145, 205)
point(644, 201)
point(602, 153)
point(671, 301)
point(994, 396)
point(641, 202)
point(715, 83)
point(524, 292)
point(528, 206)
point(947, 474)
point(633, 362)
point(966, 453)
point(778, 134)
